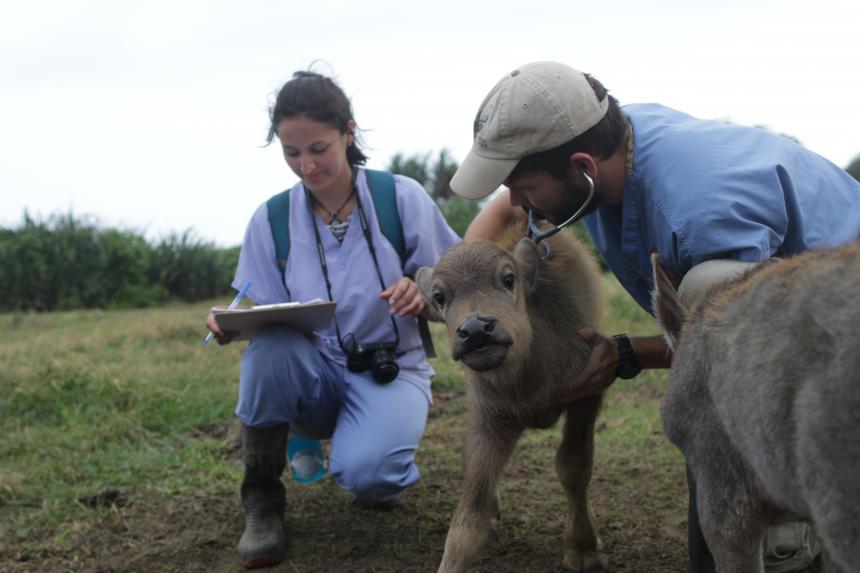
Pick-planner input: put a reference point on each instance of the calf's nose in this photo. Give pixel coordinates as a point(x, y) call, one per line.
point(476, 331)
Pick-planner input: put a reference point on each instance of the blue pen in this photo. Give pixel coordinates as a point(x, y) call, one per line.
point(231, 307)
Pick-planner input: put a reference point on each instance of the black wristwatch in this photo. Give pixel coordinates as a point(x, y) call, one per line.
point(628, 366)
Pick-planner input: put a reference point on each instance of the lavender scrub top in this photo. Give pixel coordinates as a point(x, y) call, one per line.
point(354, 280)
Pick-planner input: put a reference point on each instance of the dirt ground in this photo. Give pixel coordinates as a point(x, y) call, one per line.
point(640, 510)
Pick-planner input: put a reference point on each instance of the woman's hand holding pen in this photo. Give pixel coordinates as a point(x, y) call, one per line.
point(214, 331)
point(220, 337)
point(404, 298)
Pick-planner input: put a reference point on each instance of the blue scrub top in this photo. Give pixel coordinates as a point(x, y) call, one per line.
point(702, 190)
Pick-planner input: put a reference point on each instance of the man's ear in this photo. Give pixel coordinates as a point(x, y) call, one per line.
point(579, 162)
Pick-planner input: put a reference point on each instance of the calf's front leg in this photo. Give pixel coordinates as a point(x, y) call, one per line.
point(574, 460)
point(486, 452)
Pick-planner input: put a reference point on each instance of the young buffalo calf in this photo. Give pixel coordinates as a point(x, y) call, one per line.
point(512, 318)
point(764, 402)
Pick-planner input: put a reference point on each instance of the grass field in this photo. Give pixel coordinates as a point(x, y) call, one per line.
point(118, 452)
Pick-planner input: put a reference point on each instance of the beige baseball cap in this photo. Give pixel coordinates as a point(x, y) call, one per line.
point(534, 108)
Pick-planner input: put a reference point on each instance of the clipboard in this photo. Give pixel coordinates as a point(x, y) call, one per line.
point(245, 322)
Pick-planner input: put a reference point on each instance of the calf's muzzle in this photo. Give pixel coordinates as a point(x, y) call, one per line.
point(481, 333)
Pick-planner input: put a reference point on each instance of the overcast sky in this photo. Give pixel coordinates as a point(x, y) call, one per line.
point(152, 115)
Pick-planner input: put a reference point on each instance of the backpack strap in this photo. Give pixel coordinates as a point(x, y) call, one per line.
point(279, 222)
point(381, 184)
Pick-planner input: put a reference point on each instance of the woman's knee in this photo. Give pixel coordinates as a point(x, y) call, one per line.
point(275, 338)
point(279, 374)
point(273, 350)
point(373, 476)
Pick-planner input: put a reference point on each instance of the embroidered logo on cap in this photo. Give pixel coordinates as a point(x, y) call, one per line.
point(480, 121)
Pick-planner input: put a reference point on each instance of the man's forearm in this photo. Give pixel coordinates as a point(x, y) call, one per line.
point(492, 220)
point(651, 351)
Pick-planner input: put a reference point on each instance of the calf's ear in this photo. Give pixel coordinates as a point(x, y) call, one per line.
point(424, 278)
point(526, 255)
point(668, 308)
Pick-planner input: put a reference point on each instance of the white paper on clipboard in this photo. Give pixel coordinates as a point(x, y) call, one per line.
point(245, 322)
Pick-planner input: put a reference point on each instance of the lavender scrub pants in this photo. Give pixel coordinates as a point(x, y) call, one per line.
point(374, 428)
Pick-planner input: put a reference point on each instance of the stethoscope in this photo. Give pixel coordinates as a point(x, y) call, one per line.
point(537, 235)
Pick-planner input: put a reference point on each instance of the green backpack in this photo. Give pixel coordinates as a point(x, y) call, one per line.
point(381, 184)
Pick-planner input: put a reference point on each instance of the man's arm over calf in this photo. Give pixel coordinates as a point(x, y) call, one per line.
point(493, 219)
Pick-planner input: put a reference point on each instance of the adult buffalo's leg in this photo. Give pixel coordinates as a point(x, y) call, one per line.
point(732, 523)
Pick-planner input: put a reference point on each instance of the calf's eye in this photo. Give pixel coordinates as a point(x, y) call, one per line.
point(439, 298)
point(508, 281)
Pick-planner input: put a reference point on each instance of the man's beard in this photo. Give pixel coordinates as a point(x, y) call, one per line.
point(574, 197)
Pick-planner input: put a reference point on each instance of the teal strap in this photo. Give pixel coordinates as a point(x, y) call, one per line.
point(279, 221)
point(381, 185)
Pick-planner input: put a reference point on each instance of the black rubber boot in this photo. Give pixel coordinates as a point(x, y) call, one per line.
point(264, 541)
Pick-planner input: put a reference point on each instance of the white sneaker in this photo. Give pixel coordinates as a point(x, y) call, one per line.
point(790, 546)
